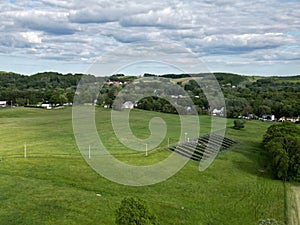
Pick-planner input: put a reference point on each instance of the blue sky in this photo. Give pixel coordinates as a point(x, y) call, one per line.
point(247, 37)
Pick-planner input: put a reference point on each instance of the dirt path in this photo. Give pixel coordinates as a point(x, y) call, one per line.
point(295, 205)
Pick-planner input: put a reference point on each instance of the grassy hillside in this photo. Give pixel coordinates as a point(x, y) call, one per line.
point(54, 185)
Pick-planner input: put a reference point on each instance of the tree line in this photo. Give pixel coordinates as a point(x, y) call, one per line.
point(279, 96)
point(52, 87)
point(244, 95)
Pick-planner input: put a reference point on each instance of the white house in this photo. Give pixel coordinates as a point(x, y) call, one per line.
point(3, 103)
point(218, 112)
point(188, 108)
point(127, 105)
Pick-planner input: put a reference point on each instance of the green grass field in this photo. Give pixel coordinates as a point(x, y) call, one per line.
point(54, 184)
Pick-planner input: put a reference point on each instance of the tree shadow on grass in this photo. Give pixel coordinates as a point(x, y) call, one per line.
point(253, 160)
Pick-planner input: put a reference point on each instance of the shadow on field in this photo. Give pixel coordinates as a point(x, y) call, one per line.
point(253, 160)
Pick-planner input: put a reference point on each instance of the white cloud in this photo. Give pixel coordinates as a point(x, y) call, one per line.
point(249, 41)
point(90, 15)
point(14, 41)
point(101, 14)
point(58, 3)
point(50, 22)
point(32, 37)
point(81, 31)
point(169, 18)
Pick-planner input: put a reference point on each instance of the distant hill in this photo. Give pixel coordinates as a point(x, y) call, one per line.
point(244, 95)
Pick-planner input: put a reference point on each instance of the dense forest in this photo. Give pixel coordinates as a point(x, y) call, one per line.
point(244, 95)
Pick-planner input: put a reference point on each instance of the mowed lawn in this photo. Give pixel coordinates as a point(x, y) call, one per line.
point(54, 184)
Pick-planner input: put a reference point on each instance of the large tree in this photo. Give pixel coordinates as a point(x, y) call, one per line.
point(282, 142)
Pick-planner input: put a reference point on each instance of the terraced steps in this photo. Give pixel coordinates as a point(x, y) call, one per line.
point(203, 146)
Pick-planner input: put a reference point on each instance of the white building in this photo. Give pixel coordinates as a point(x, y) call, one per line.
point(127, 105)
point(2, 103)
point(218, 112)
point(46, 105)
point(268, 118)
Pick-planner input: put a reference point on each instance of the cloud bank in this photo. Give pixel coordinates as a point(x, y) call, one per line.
point(227, 35)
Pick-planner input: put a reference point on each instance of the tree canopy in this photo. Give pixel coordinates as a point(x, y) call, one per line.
point(244, 95)
point(282, 142)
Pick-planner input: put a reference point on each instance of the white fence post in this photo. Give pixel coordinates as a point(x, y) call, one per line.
point(25, 150)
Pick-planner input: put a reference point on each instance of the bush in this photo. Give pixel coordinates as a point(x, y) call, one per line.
point(238, 124)
point(268, 222)
point(134, 211)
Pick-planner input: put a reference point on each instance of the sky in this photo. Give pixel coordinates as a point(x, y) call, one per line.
point(256, 37)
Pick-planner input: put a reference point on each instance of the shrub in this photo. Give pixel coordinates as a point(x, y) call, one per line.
point(238, 124)
point(268, 222)
point(134, 211)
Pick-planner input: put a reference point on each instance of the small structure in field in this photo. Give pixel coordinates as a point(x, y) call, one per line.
point(202, 147)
